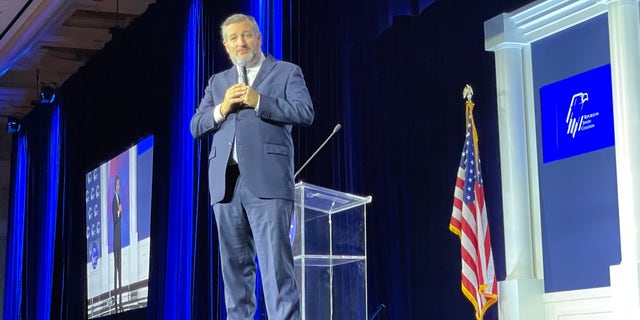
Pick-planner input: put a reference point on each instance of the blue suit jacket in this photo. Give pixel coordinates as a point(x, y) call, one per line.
point(263, 139)
point(117, 229)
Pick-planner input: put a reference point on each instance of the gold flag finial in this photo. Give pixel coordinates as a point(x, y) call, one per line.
point(467, 93)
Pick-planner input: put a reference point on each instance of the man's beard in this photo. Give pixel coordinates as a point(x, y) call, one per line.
point(243, 61)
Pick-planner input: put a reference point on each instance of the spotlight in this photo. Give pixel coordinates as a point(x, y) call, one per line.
point(48, 92)
point(13, 125)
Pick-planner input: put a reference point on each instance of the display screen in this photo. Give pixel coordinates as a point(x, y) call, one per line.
point(118, 209)
point(577, 115)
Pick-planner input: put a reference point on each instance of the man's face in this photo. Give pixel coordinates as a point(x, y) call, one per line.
point(242, 43)
point(117, 186)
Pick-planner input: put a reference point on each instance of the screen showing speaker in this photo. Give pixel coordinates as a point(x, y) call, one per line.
point(118, 209)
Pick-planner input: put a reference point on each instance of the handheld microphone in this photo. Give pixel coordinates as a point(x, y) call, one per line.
point(335, 129)
point(243, 70)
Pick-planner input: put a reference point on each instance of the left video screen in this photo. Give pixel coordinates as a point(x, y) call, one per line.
point(118, 214)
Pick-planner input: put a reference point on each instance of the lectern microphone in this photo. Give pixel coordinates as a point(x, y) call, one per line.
point(378, 311)
point(335, 129)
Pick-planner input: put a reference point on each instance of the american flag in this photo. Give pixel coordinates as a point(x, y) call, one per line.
point(469, 222)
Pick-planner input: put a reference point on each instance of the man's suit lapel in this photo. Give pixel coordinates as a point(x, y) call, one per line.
point(267, 65)
point(231, 76)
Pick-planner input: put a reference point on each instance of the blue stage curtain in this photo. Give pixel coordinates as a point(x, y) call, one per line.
point(269, 16)
point(48, 223)
point(33, 225)
point(44, 169)
point(207, 286)
point(181, 227)
point(15, 231)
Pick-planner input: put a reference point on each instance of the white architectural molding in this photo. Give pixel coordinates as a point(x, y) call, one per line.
point(624, 43)
point(589, 304)
point(538, 20)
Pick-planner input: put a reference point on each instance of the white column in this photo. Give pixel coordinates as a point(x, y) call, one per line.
point(513, 162)
point(132, 274)
point(520, 292)
point(624, 42)
point(106, 263)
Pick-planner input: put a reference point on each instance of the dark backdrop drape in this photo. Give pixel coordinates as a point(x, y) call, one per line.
point(391, 72)
point(396, 85)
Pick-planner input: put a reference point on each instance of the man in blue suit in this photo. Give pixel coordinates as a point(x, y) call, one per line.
point(116, 214)
point(251, 109)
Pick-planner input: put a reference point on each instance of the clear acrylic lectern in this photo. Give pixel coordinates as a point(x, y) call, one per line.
point(330, 253)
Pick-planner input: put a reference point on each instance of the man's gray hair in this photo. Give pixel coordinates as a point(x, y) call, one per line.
point(238, 17)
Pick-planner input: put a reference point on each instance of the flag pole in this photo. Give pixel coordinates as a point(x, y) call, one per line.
point(470, 223)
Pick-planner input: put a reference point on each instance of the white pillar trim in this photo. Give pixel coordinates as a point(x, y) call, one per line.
point(624, 27)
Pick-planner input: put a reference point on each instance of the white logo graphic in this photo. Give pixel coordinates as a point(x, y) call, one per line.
point(575, 114)
point(577, 117)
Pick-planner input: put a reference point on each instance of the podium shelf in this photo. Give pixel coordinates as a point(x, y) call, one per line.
point(326, 200)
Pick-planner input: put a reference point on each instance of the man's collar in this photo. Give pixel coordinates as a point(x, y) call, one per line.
point(260, 61)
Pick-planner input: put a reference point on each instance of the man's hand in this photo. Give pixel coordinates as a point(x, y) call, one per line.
point(238, 95)
point(234, 95)
point(119, 210)
point(250, 98)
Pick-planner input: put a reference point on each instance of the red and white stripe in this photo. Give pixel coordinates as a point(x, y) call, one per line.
point(469, 222)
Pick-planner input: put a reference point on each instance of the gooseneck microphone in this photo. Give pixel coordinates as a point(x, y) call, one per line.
point(376, 313)
point(335, 129)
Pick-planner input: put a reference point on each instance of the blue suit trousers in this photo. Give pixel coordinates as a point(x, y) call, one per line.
point(247, 226)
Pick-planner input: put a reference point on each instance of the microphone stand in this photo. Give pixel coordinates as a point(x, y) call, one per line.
point(335, 129)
